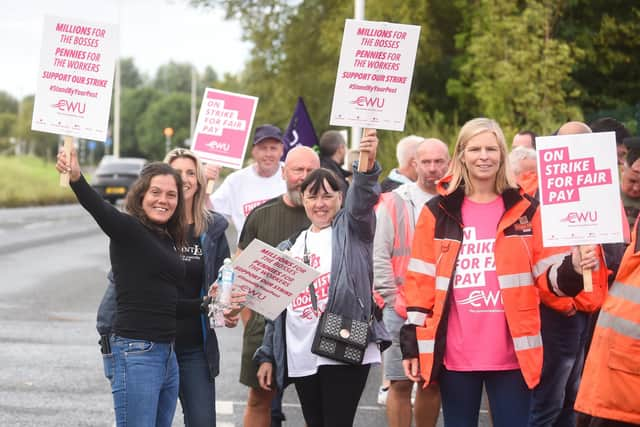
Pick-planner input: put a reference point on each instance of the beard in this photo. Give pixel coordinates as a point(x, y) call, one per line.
point(295, 196)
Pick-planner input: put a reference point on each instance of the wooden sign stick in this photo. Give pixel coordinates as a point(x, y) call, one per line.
point(363, 159)
point(587, 280)
point(64, 176)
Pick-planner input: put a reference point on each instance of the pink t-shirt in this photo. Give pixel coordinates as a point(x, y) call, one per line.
point(478, 337)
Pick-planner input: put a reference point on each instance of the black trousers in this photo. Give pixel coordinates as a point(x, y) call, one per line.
point(330, 397)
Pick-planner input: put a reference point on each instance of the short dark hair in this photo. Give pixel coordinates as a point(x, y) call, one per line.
point(329, 143)
point(531, 135)
point(609, 124)
point(316, 179)
point(176, 225)
point(632, 155)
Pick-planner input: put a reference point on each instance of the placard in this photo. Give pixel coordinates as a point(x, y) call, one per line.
point(75, 78)
point(579, 189)
point(271, 278)
point(374, 74)
point(223, 128)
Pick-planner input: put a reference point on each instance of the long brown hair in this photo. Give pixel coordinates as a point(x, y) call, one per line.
point(458, 170)
point(175, 227)
point(201, 214)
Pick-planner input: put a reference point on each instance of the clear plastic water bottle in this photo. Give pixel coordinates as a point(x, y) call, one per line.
point(226, 276)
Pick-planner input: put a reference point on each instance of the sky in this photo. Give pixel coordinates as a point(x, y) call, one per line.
point(153, 32)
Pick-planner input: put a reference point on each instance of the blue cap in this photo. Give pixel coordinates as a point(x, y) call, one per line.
point(267, 132)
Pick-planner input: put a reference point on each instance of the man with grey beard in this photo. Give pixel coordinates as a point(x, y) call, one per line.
point(272, 222)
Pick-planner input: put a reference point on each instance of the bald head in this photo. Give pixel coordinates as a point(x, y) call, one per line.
point(573, 128)
point(431, 163)
point(299, 163)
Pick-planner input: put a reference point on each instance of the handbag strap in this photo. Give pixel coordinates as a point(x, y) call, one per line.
point(312, 289)
point(306, 260)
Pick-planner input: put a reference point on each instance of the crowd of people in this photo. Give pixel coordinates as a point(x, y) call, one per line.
point(438, 272)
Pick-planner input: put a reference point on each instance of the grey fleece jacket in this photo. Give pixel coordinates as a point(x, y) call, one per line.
point(351, 278)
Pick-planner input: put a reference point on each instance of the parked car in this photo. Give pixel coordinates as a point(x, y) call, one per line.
point(114, 176)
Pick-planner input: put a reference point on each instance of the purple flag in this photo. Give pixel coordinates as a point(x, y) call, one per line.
point(300, 130)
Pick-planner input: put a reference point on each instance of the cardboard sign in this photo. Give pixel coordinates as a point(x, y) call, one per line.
point(374, 74)
point(579, 189)
point(75, 78)
point(271, 278)
point(223, 127)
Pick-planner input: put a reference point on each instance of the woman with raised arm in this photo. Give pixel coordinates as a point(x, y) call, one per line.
point(145, 244)
point(339, 244)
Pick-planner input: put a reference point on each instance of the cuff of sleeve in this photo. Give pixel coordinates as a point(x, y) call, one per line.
point(408, 342)
point(569, 282)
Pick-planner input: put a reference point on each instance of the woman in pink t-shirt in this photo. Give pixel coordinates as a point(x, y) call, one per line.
point(472, 302)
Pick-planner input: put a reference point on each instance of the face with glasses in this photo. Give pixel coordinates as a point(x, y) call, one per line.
point(321, 207)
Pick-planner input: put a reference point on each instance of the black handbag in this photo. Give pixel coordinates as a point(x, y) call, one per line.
point(340, 338)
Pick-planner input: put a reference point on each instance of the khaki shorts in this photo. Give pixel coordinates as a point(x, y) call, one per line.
point(251, 340)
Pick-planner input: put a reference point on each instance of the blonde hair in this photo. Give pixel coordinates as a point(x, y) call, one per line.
point(458, 170)
point(201, 214)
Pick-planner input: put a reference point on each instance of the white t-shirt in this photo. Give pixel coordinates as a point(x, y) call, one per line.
point(243, 190)
point(302, 320)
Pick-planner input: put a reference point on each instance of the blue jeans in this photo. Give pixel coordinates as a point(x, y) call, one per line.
point(144, 382)
point(509, 397)
point(197, 389)
point(564, 341)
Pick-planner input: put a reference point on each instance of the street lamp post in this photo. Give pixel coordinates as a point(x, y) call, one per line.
point(168, 133)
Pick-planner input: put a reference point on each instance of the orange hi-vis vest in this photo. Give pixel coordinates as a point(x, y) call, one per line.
point(521, 266)
point(398, 210)
point(610, 386)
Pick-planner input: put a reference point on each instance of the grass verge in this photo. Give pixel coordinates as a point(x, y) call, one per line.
point(30, 181)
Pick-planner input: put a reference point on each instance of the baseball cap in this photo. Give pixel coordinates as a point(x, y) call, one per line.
point(267, 132)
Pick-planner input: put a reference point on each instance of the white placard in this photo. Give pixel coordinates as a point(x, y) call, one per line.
point(270, 277)
point(75, 78)
point(374, 74)
point(579, 189)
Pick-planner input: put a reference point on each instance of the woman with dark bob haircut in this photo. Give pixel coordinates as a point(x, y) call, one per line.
point(144, 248)
point(338, 244)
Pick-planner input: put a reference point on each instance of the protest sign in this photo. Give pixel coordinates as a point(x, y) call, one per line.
point(579, 189)
point(374, 74)
point(271, 278)
point(75, 78)
point(223, 127)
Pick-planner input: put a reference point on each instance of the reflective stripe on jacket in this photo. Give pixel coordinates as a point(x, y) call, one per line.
point(400, 213)
point(611, 379)
point(521, 267)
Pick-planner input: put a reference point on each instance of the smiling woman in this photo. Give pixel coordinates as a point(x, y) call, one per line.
point(144, 249)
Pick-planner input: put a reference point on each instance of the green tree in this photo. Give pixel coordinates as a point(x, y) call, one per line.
point(173, 77)
point(130, 76)
point(134, 103)
point(37, 143)
point(514, 70)
point(8, 104)
point(170, 110)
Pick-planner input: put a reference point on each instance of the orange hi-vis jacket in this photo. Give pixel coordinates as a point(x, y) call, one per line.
point(610, 386)
point(401, 216)
point(521, 266)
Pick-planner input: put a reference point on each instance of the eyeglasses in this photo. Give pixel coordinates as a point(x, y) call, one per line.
point(326, 197)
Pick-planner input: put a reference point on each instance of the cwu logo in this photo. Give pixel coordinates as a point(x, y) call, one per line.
point(70, 107)
point(367, 101)
point(585, 217)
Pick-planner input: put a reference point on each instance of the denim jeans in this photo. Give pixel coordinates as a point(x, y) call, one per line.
point(144, 382)
point(509, 397)
point(564, 341)
point(197, 389)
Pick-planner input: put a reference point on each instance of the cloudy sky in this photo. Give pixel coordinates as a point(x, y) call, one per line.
point(153, 32)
